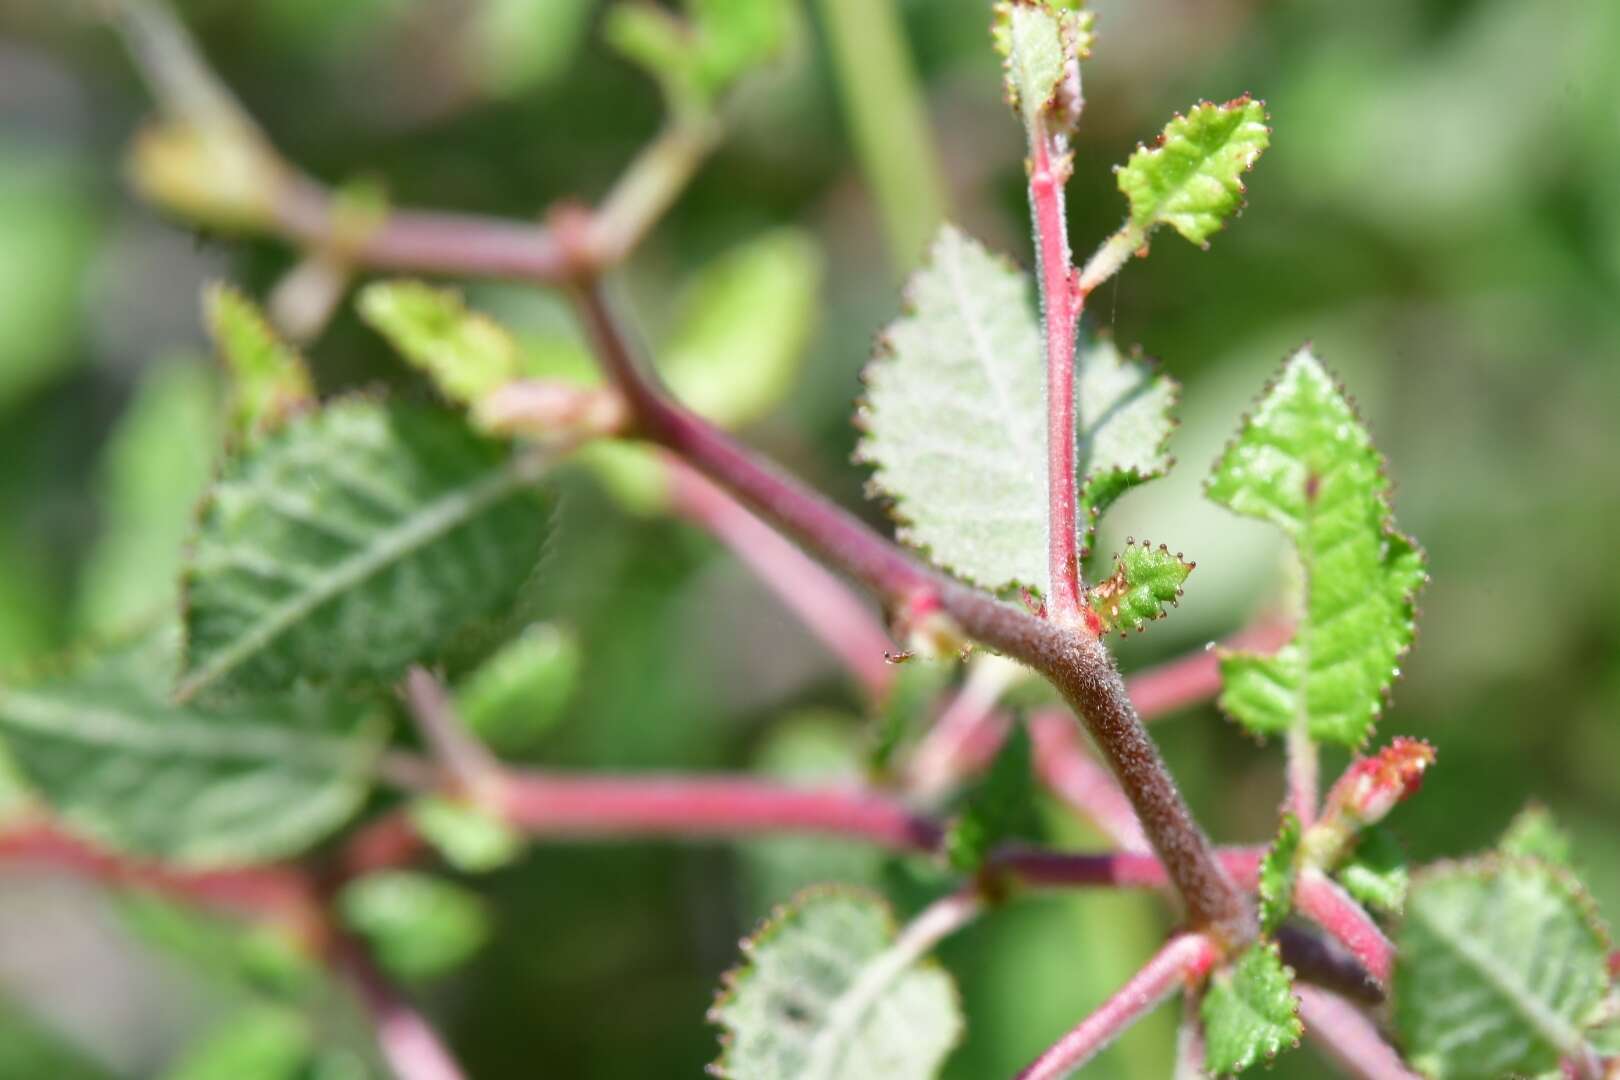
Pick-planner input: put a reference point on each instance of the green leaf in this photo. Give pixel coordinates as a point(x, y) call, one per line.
point(419, 926)
point(1191, 179)
point(265, 1042)
point(1145, 578)
point(513, 47)
point(817, 998)
point(353, 542)
point(737, 36)
point(470, 838)
point(1533, 833)
point(268, 380)
point(698, 58)
point(154, 469)
point(1305, 463)
point(248, 780)
point(1250, 1012)
point(1278, 870)
point(516, 696)
point(1376, 873)
point(1002, 806)
point(1124, 406)
point(466, 354)
point(742, 328)
point(955, 417)
point(1499, 966)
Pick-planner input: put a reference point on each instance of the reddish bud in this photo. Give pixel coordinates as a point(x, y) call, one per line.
point(1371, 786)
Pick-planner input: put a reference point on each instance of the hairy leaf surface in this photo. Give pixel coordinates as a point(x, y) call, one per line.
point(1145, 578)
point(1191, 179)
point(1123, 407)
point(818, 998)
point(1278, 871)
point(1250, 1012)
point(1305, 463)
point(353, 542)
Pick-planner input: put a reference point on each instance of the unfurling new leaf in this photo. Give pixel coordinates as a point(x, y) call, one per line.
point(818, 992)
point(1042, 43)
point(352, 542)
point(1145, 578)
point(1191, 179)
point(1305, 463)
point(1249, 1012)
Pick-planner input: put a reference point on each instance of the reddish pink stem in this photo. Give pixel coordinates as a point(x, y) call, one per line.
point(1122, 869)
point(1183, 959)
point(1068, 769)
point(1061, 304)
point(410, 1046)
point(1330, 907)
point(817, 597)
point(1346, 1035)
point(1197, 678)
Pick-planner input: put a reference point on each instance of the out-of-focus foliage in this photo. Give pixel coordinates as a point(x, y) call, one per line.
point(1436, 211)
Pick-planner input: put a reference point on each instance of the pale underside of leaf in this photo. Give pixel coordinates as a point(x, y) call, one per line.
point(1500, 965)
point(1124, 420)
point(355, 541)
point(1305, 463)
point(255, 779)
point(815, 999)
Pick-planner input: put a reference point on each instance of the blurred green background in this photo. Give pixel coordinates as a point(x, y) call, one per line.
point(1439, 214)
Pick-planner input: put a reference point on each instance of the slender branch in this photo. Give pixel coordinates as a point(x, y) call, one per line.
point(968, 733)
point(1184, 958)
point(1345, 1035)
point(410, 1046)
point(1303, 785)
point(1110, 257)
point(1060, 310)
point(1330, 907)
point(1190, 1044)
point(1073, 775)
point(822, 601)
point(467, 761)
point(1197, 678)
point(1077, 663)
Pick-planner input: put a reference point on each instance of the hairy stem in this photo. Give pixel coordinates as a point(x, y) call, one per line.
point(1108, 259)
point(1334, 910)
point(1070, 772)
point(1076, 662)
point(1345, 1035)
point(1190, 1044)
point(1060, 311)
point(1183, 959)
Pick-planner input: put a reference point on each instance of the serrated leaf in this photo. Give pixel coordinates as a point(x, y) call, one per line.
point(1042, 43)
point(1191, 179)
point(1145, 578)
point(470, 838)
point(515, 697)
point(955, 419)
point(1278, 871)
point(465, 353)
point(1002, 806)
point(264, 1042)
point(1305, 463)
point(742, 328)
point(243, 781)
point(814, 999)
point(1123, 409)
point(269, 381)
point(1376, 873)
point(1499, 966)
point(1534, 833)
point(1249, 1012)
point(418, 925)
point(353, 542)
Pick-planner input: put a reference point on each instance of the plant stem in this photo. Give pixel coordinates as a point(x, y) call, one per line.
point(821, 601)
point(1184, 958)
point(1322, 901)
point(1346, 1035)
point(1060, 311)
point(1191, 679)
point(410, 1046)
point(1303, 788)
point(649, 187)
point(1075, 661)
point(1190, 1041)
point(884, 106)
point(1073, 775)
point(968, 733)
point(1120, 869)
point(1107, 260)
point(467, 761)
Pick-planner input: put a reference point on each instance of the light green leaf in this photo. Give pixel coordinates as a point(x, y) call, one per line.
point(1001, 806)
point(1124, 409)
point(1499, 966)
point(1376, 873)
point(516, 696)
point(698, 58)
point(268, 380)
point(1305, 463)
point(470, 838)
point(153, 471)
point(1191, 179)
point(743, 326)
point(817, 998)
point(1533, 833)
point(419, 926)
point(1249, 1012)
point(1278, 871)
point(516, 46)
point(265, 1043)
point(466, 354)
point(249, 780)
point(1145, 578)
point(737, 36)
point(353, 542)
